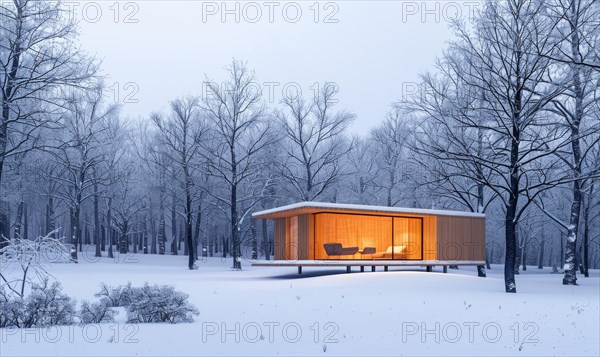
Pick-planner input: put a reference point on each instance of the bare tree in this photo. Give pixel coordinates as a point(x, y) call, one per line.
point(362, 163)
point(390, 141)
point(578, 34)
point(37, 58)
point(238, 134)
point(504, 64)
point(315, 142)
point(128, 203)
point(181, 134)
point(79, 150)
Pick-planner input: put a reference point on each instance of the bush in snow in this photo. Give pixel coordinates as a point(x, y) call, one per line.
point(11, 309)
point(159, 304)
point(47, 305)
point(115, 297)
point(96, 312)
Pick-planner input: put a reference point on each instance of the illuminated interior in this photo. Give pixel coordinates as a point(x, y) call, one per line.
point(351, 236)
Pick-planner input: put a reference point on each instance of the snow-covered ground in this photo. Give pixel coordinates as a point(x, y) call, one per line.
point(274, 311)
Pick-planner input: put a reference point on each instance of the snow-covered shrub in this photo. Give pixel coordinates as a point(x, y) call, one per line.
point(96, 312)
point(159, 304)
point(47, 305)
point(11, 309)
point(115, 296)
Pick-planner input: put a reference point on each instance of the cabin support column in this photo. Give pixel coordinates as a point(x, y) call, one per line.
point(385, 268)
point(429, 268)
point(481, 271)
point(348, 269)
point(445, 269)
point(373, 268)
point(299, 270)
point(362, 268)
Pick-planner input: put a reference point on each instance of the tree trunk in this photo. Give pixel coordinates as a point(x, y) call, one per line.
point(586, 234)
point(524, 254)
point(103, 238)
point(141, 234)
point(152, 231)
point(25, 221)
point(553, 260)
point(73, 234)
point(254, 241)
point(518, 252)
point(211, 243)
point(265, 240)
point(18, 220)
point(235, 248)
point(511, 247)
point(162, 234)
point(181, 235)
point(4, 225)
point(49, 215)
point(85, 234)
point(174, 226)
point(579, 259)
point(188, 227)
point(97, 238)
point(109, 232)
point(235, 220)
point(197, 232)
point(570, 267)
point(123, 241)
point(6, 110)
point(562, 251)
point(145, 234)
point(542, 247)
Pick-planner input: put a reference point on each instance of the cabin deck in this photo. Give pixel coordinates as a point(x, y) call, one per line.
point(428, 264)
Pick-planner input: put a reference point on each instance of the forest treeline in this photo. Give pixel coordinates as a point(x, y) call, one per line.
point(507, 124)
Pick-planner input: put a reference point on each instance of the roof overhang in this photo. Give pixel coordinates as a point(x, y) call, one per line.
point(321, 207)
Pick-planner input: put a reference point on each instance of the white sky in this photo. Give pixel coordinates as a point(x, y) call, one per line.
point(370, 52)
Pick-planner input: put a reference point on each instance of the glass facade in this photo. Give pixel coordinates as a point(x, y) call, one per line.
point(365, 237)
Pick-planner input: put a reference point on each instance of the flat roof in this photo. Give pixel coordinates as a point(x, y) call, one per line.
point(322, 207)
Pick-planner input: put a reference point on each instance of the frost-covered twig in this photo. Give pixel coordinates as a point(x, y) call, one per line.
point(27, 258)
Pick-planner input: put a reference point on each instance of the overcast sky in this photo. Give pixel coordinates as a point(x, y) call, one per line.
point(159, 50)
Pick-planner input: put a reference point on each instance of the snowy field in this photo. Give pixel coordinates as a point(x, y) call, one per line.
point(274, 311)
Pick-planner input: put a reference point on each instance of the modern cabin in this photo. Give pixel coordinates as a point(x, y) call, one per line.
point(331, 234)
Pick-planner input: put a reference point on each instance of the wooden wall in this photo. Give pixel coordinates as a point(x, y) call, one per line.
point(306, 241)
point(429, 238)
point(460, 238)
point(291, 238)
point(279, 239)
